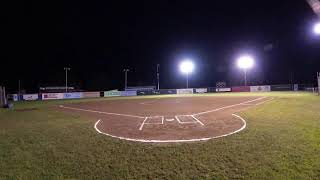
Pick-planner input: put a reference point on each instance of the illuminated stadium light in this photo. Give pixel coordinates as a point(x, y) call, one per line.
point(316, 28)
point(245, 62)
point(187, 67)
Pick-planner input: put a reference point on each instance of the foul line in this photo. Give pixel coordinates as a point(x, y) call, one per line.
point(142, 123)
point(225, 107)
point(188, 122)
point(264, 101)
point(198, 120)
point(173, 141)
point(101, 112)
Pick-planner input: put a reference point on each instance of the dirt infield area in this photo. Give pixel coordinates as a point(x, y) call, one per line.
point(174, 119)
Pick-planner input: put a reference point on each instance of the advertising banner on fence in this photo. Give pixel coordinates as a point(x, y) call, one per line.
point(15, 97)
point(223, 90)
point(284, 87)
point(260, 88)
point(141, 88)
point(201, 90)
point(90, 94)
point(128, 93)
point(168, 91)
point(153, 92)
point(184, 91)
point(48, 96)
point(241, 89)
point(30, 97)
point(112, 93)
point(75, 95)
point(211, 89)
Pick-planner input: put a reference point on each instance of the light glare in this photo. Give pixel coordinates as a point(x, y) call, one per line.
point(245, 62)
point(186, 66)
point(316, 28)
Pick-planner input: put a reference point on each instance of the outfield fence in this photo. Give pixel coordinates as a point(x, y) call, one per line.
point(150, 91)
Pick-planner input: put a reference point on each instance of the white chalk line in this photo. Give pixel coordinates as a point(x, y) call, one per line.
point(188, 122)
point(244, 109)
point(192, 115)
point(174, 141)
point(264, 101)
point(225, 107)
point(142, 117)
point(248, 104)
point(101, 112)
point(144, 122)
point(198, 120)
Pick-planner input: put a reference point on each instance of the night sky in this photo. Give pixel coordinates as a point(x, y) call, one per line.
point(97, 40)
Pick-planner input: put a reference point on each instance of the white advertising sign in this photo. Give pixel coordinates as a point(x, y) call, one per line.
point(223, 89)
point(30, 97)
point(260, 88)
point(48, 96)
point(184, 91)
point(202, 90)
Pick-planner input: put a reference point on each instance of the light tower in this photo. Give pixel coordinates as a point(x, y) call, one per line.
point(125, 78)
point(187, 67)
point(67, 69)
point(245, 62)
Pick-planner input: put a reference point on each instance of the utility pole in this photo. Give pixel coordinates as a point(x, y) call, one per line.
point(318, 76)
point(67, 69)
point(245, 77)
point(158, 76)
point(19, 89)
point(125, 78)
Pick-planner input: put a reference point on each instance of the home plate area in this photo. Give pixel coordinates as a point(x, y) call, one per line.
point(161, 120)
point(193, 119)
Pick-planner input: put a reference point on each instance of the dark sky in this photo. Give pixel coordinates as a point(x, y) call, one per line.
point(98, 39)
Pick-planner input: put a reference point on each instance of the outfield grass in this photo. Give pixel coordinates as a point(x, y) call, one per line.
point(281, 141)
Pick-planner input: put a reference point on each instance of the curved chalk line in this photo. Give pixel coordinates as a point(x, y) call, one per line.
point(173, 141)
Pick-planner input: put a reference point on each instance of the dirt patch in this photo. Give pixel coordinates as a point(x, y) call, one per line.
point(179, 119)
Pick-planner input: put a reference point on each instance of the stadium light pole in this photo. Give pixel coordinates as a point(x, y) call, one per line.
point(125, 78)
point(318, 77)
point(245, 62)
point(67, 69)
point(158, 75)
point(187, 67)
point(19, 89)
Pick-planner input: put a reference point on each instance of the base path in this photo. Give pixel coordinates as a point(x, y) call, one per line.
point(178, 119)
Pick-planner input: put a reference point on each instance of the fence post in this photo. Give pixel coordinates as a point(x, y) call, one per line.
point(0, 96)
point(318, 76)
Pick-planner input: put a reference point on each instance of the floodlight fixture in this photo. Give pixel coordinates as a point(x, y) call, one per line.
point(187, 67)
point(316, 28)
point(245, 62)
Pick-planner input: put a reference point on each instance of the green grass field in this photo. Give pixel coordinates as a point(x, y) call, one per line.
point(281, 141)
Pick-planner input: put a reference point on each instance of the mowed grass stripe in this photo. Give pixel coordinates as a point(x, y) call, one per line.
point(281, 141)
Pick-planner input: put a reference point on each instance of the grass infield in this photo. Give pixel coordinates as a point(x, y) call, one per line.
point(281, 141)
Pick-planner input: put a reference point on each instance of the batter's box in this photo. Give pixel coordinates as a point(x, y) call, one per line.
point(187, 119)
point(154, 120)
